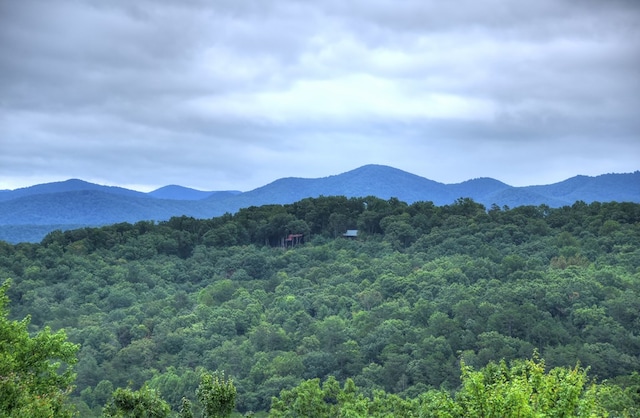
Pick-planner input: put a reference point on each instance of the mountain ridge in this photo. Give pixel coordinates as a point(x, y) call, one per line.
point(177, 192)
point(76, 202)
point(65, 186)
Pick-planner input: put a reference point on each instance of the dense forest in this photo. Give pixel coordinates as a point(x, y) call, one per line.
point(277, 298)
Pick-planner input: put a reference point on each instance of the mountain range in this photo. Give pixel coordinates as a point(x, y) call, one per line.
point(28, 214)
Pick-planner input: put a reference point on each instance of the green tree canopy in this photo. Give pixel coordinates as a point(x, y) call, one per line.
point(522, 388)
point(143, 403)
point(36, 373)
point(217, 394)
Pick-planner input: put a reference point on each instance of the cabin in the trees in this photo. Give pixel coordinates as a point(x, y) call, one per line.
point(351, 233)
point(293, 239)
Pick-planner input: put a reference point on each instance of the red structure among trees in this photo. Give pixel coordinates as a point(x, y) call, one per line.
point(293, 240)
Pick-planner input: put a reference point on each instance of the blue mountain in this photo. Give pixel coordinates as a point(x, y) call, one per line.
point(72, 185)
point(29, 213)
point(174, 192)
point(370, 180)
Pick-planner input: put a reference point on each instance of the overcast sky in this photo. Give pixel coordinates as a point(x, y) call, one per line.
point(233, 94)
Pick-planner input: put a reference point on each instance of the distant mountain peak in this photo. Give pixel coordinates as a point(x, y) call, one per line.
point(76, 202)
point(175, 192)
point(70, 185)
point(378, 168)
point(483, 180)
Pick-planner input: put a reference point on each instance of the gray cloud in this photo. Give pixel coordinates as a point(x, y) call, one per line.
point(231, 94)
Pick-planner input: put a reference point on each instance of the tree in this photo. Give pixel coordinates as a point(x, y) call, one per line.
point(185, 409)
point(306, 400)
point(143, 403)
point(36, 373)
point(523, 389)
point(217, 394)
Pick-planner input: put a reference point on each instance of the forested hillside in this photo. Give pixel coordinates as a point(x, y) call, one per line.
point(395, 309)
point(27, 215)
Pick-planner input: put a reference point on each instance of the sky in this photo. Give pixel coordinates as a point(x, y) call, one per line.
point(234, 94)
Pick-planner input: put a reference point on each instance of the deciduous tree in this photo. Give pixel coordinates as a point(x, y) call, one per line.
point(217, 394)
point(36, 373)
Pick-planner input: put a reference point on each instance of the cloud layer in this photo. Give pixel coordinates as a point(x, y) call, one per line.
point(231, 95)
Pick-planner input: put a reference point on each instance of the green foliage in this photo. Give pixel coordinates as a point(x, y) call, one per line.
point(306, 400)
point(522, 389)
point(36, 373)
point(525, 390)
point(185, 409)
point(217, 395)
point(142, 403)
point(393, 310)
